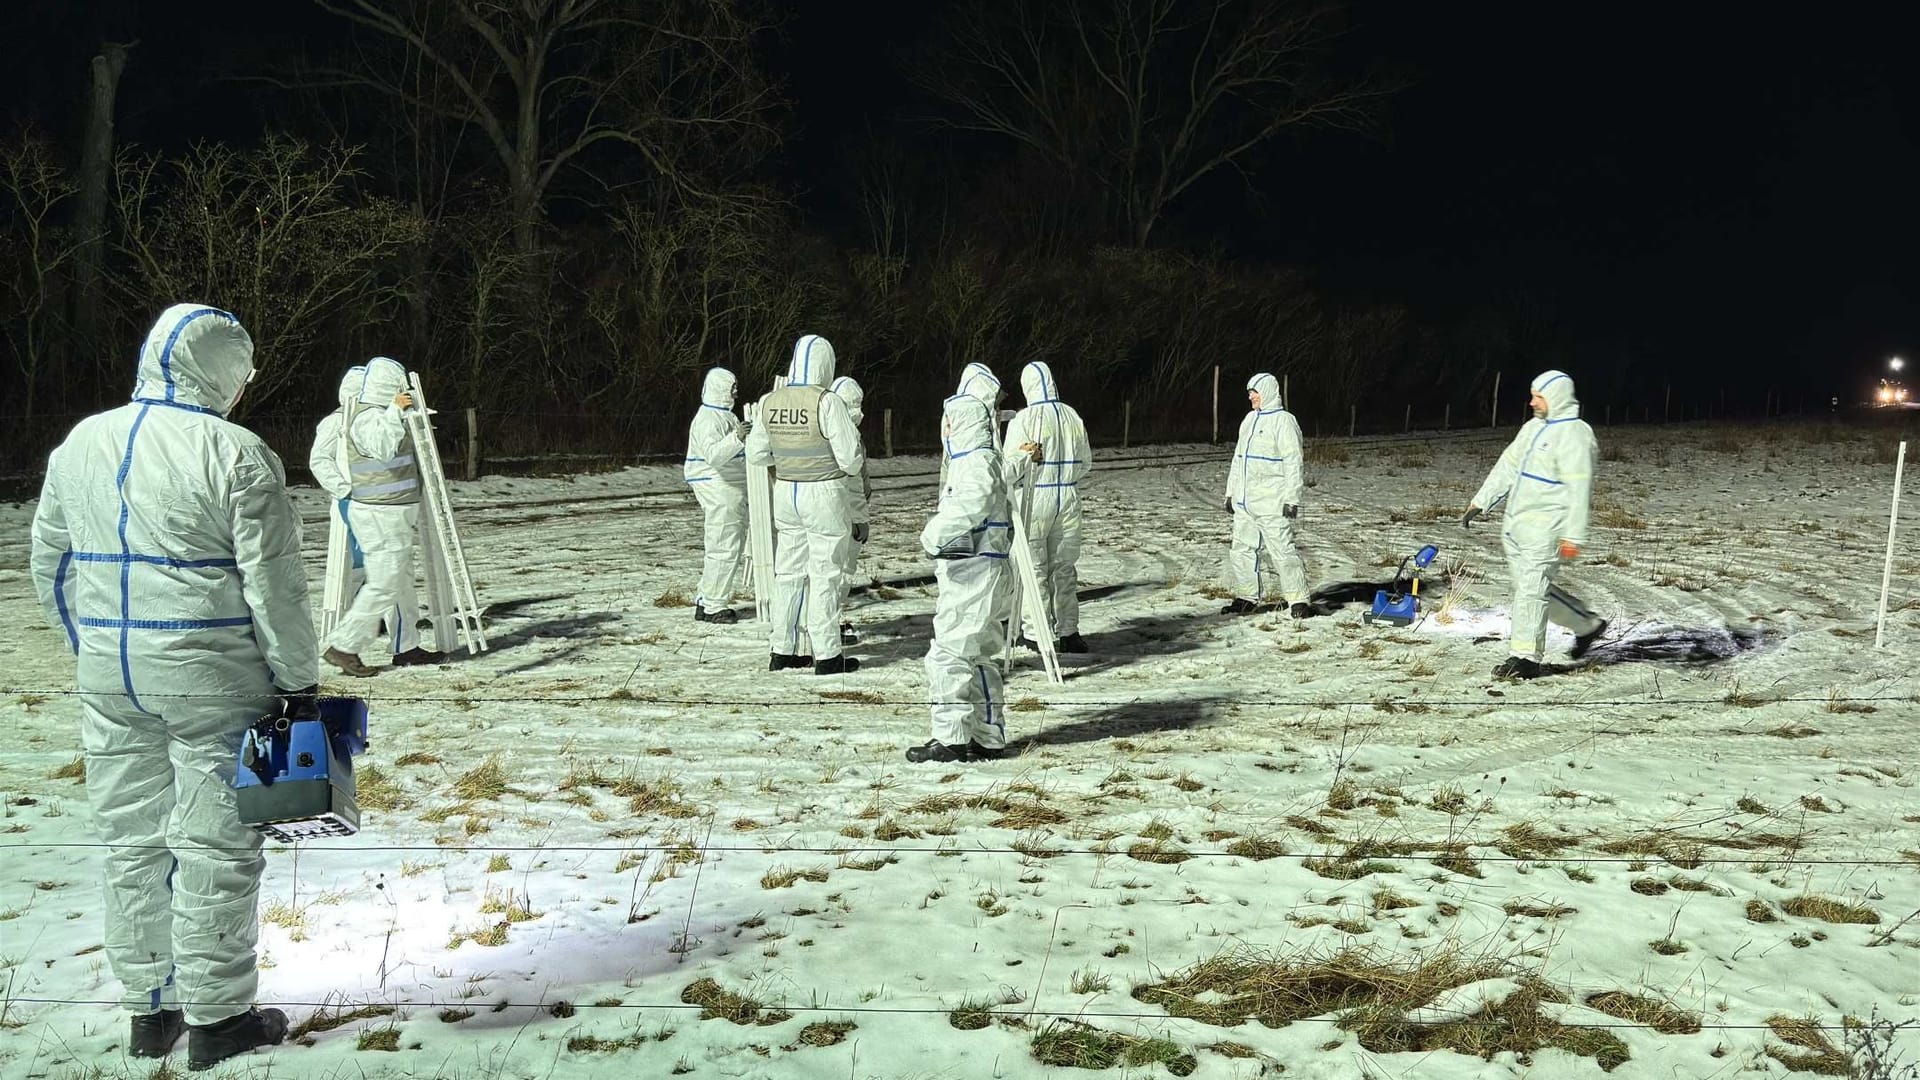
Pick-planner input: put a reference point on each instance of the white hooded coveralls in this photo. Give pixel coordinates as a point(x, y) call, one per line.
point(969, 535)
point(859, 488)
point(325, 463)
point(167, 552)
point(1053, 510)
point(1546, 476)
point(716, 470)
point(386, 532)
point(814, 532)
point(1266, 476)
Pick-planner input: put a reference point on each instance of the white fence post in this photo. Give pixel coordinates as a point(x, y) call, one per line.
point(1893, 525)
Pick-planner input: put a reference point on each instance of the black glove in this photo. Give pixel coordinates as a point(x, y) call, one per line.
point(1290, 511)
point(745, 429)
point(1229, 505)
point(859, 532)
point(297, 704)
point(1472, 512)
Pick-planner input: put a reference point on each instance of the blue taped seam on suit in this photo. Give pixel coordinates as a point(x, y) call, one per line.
point(126, 568)
point(124, 625)
point(166, 351)
point(60, 601)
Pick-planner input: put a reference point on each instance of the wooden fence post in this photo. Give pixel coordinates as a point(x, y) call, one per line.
point(1126, 424)
point(1666, 408)
point(1446, 418)
point(1409, 424)
point(473, 444)
point(886, 430)
point(1353, 414)
point(1495, 422)
point(1216, 403)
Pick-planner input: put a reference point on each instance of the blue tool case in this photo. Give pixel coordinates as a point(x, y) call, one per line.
point(294, 779)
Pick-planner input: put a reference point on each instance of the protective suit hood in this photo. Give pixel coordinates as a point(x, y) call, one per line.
point(1268, 388)
point(969, 425)
point(195, 355)
point(1557, 388)
point(1038, 383)
point(849, 391)
point(978, 381)
point(384, 377)
point(350, 384)
point(812, 362)
point(717, 388)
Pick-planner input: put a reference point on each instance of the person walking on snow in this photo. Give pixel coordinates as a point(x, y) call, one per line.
point(808, 438)
point(1265, 483)
point(1546, 479)
point(167, 551)
point(1052, 512)
point(859, 490)
point(384, 509)
point(323, 461)
point(968, 537)
point(716, 470)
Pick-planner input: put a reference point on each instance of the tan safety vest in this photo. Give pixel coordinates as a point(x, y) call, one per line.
point(392, 482)
point(801, 451)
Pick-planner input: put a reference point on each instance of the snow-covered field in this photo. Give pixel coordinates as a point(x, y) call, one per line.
point(616, 846)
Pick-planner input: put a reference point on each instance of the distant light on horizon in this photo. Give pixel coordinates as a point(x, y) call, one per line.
point(1896, 363)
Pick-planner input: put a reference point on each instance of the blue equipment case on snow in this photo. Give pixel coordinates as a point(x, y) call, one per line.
point(295, 777)
point(1399, 604)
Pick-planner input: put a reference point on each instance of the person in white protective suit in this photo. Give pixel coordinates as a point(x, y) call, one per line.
point(167, 551)
point(1265, 483)
point(324, 462)
point(1053, 509)
point(383, 509)
point(1545, 477)
point(807, 437)
point(968, 536)
point(859, 490)
point(716, 470)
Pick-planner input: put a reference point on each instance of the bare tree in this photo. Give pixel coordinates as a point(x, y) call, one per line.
point(1143, 99)
point(32, 251)
point(273, 234)
point(548, 82)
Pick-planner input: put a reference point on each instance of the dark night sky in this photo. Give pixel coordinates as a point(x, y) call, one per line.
point(1695, 185)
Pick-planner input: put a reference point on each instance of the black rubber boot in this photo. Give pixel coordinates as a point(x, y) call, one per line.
point(935, 750)
point(1029, 644)
point(1072, 643)
point(154, 1034)
point(1301, 611)
point(836, 665)
point(417, 657)
point(209, 1045)
point(783, 661)
point(1584, 642)
point(1240, 607)
point(847, 635)
point(976, 752)
point(1518, 667)
point(725, 616)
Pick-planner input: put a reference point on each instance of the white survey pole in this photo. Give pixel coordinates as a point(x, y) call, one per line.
point(1893, 525)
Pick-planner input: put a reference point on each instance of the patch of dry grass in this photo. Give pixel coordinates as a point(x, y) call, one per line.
point(1661, 1016)
point(487, 780)
point(1257, 848)
point(718, 1003)
point(673, 598)
point(1072, 1044)
point(1828, 909)
point(75, 770)
point(1811, 1050)
point(374, 789)
point(781, 877)
point(1515, 1026)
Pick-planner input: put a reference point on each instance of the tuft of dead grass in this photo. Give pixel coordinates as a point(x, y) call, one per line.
point(719, 1003)
point(1758, 911)
point(1828, 909)
point(374, 789)
point(1809, 1049)
point(1515, 1026)
point(1245, 984)
point(1072, 1044)
point(779, 876)
point(1661, 1016)
point(1257, 848)
point(487, 780)
point(673, 598)
point(75, 770)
